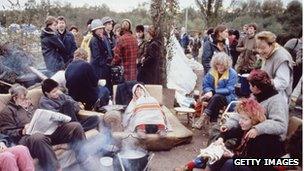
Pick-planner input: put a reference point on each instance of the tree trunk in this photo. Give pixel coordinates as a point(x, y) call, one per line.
point(157, 11)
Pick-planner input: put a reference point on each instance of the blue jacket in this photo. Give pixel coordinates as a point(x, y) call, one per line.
point(184, 41)
point(224, 85)
point(53, 50)
point(68, 41)
point(209, 49)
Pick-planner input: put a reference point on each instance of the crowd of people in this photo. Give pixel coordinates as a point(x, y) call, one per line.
point(271, 72)
point(110, 51)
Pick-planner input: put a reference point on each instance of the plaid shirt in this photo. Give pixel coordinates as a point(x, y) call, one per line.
point(126, 51)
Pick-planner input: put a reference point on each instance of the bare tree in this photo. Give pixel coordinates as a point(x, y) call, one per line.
point(210, 11)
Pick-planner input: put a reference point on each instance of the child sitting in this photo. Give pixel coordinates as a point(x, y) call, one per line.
point(252, 145)
point(144, 114)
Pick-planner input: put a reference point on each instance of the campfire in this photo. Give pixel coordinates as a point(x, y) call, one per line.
point(16, 66)
point(116, 154)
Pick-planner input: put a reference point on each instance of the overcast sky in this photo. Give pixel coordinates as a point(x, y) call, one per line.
point(115, 5)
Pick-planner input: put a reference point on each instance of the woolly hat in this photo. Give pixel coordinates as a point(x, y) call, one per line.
point(106, 20)
point(96, 24)
point(48, 85)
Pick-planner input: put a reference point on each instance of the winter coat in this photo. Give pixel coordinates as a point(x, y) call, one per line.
point(276, 122)
point(56, 104)
point(224, 85)
point(247, 58)
point(110, 43)
point(209, 49)
point(85, 44)
point(149, 69)
point(184, 41)
point(68, 41)
point(99, 57)
point(125, 52)
point(262, 146)
point(82, 82)
point(279, 67)
point(195, 45)
point(13, 119)
point(53, 50)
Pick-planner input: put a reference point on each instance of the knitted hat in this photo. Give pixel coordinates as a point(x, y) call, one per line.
point(106, 19)
point(96, 24)
point(48, 85)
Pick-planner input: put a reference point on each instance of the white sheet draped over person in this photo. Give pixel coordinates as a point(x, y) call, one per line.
point(144, 114)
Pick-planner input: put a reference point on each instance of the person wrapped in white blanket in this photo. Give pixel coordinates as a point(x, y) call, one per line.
point(143, 114)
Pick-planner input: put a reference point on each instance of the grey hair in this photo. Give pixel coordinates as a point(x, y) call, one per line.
point(16, 90)
point(221, 58)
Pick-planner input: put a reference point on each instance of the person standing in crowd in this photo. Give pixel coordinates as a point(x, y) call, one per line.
point(141, 41)
point(80, 71)
point(294, 47)
point(149, 64)
point(195, 45)
point(56, 101)
point(14, 158)
point(67, 39)
point(53, 50)
point(126, 51)
point(247, 48)
point(15, 119)
point(85, 44)
point(208, 34)
point(78, 37)
point(184, 39)
point(233, 38)
point(117, 30)
point(216, 43)
point(218, 88)
point(244, 32)
point(109, 35)
point(100, 59)
point(277, 62)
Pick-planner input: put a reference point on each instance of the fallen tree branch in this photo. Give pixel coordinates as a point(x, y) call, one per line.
point(5, 83)
point(38, 73)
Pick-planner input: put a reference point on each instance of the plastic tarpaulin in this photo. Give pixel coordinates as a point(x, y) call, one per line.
point(180, 75)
